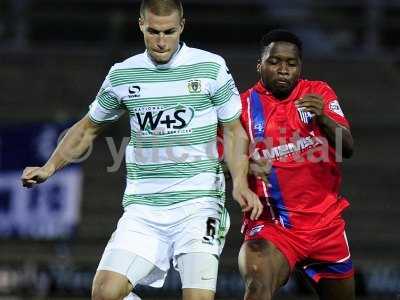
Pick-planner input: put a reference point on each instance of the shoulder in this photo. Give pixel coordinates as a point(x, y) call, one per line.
point(316, 86)
point(131, 67)
point(136, 61)
point(245, 99)
point(203, 56)
point(245, 95)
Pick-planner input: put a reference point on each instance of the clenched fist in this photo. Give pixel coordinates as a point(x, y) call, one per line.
point(312, 103)
point(35, 175)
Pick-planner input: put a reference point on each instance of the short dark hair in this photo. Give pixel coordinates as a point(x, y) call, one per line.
point(281, 35)
point(161, 7)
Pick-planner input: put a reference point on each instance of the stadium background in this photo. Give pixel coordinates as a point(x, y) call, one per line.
point(54, 55)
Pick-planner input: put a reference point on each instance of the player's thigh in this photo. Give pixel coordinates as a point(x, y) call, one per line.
point(263, 267)
point(118, 272)
point(110, 285)
point(336, 289)
point(198, 272)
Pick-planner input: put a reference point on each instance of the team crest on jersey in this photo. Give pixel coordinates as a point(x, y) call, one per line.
point(335, 107)
point(194, 86)
point(305, 116)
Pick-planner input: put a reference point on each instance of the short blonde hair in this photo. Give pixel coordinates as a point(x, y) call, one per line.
point(161, 7)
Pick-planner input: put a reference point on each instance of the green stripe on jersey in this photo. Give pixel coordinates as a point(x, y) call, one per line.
point(173, 170)
point(223, 94)
point(107, 100)
point(100, 122)
point(142, 75)
point(197, 101)
point(199, 135)
point(170, 198)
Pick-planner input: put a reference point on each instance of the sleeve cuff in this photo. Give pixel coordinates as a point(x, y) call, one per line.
point(235, 117)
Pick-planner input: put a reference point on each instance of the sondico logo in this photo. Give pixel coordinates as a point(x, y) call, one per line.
point(164, 120)
point(134, 91)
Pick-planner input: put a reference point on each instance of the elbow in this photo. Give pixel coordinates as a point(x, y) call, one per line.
point(347, 144)
point(348, 148)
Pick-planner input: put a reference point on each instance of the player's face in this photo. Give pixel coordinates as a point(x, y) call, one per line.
point(161, 34)
point(280, 68)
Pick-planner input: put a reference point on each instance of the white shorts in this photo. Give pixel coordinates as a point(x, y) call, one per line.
point(159, 234)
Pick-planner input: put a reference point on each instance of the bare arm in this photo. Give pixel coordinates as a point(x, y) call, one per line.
point(331, 129)
point(74, 144)
point(236, 145)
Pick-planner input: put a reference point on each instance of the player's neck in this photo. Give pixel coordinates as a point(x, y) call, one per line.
point(280, 96)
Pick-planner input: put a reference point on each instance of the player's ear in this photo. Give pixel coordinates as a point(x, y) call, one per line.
point(183, 21)
point(141, 24)
point(258, 66)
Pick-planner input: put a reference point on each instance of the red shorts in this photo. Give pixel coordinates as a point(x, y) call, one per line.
point(321, 253)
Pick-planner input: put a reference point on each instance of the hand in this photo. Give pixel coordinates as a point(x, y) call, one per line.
point(260, 168)
point(35, 175)
point(247, 200)
point(312, 103)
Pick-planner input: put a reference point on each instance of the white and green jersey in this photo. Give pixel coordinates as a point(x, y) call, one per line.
point(174, 111)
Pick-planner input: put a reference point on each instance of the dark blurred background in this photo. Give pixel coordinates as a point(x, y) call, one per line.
point(54, 55)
